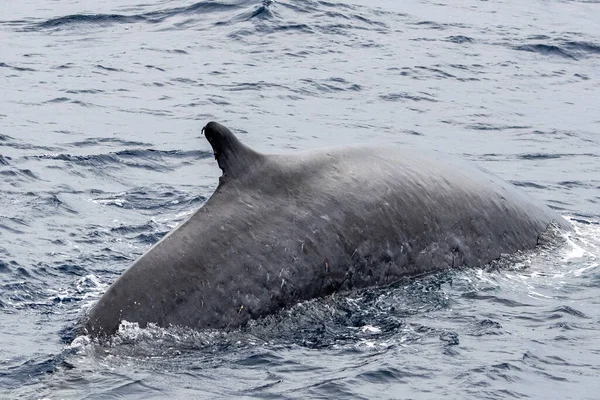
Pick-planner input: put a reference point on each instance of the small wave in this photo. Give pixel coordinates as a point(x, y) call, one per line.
point(161, 197)
point(541, 156)
point(262, 11)
point(332, 85)
point(92, 142)
point(138, 158)
point(401, 96)
point(494, 299)
point(546, 50)
point(260, 85)
point(16, 68)
point(572, 50)
point(91, 91)
point(111, 69)
point(490, 127)
point(582, 47)
point(153, 17)
point(58, 100)
point(27, 173)
point(87, 19)
point(429, 24)
point(460, 39)
point(436, 72)
point(574, 184)
point(4, 267)
point(486, 327)
point(527, 184)
point(569, 311)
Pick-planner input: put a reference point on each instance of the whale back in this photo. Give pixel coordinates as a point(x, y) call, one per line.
point(283, 228)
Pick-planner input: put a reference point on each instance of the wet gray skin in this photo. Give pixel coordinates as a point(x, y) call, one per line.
point(284, 228)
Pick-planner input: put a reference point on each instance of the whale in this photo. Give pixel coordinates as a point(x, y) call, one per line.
point(283, 228)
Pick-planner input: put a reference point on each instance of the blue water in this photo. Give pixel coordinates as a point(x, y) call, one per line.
point(101, 154)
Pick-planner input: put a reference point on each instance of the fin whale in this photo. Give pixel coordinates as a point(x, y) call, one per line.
point(285, 228)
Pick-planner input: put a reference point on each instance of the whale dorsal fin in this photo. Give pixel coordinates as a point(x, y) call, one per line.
point(234, 158)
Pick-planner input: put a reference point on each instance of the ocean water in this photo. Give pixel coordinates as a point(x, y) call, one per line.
point(101, 154)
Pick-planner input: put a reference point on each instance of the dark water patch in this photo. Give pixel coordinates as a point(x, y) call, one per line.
point(546, 50)
point(64, 66)
point(460, 66)
point(15, 173)
point(8, 173)
point(582, 48)
point(494, 299)
point(491, 127)
point(486, 327)
point(569, 311)
point(168, 51)
point(24, 292)
point(423, 39)
point(429, 25)
point(71, 269)
point(111, 69)
point(334, 18)
point(261, 360)
point(129, 229)
point(573, 184)
point(158, 154)
point(89, 19)
point(154, 67)
point(582, 77)
point(563, 326)
point(22, 373)
point(84, 91)
point(4, 267)
point(411, 132)
point(9, 226)
point(150, 238)
point(368, 21)
point(154, 17)
point(83, 103)
point(387, 375)
point(541, 156)
point(402, 96)
point(262, 12)
point(53, 201)
point(46, 204)
point(532, 359)
point(218, 100)
point(58, 100)
point(16, 68)
point(538, 37)
point(260, 85)
point(526, 184)
point(460, 39)
point(184, 80)
point(449, 338)
point(285, 28)
point(436, 72)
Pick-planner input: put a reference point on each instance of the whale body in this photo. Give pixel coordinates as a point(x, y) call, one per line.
point(285, 228)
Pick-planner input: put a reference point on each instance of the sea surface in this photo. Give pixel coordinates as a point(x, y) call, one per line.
point(101, 154)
